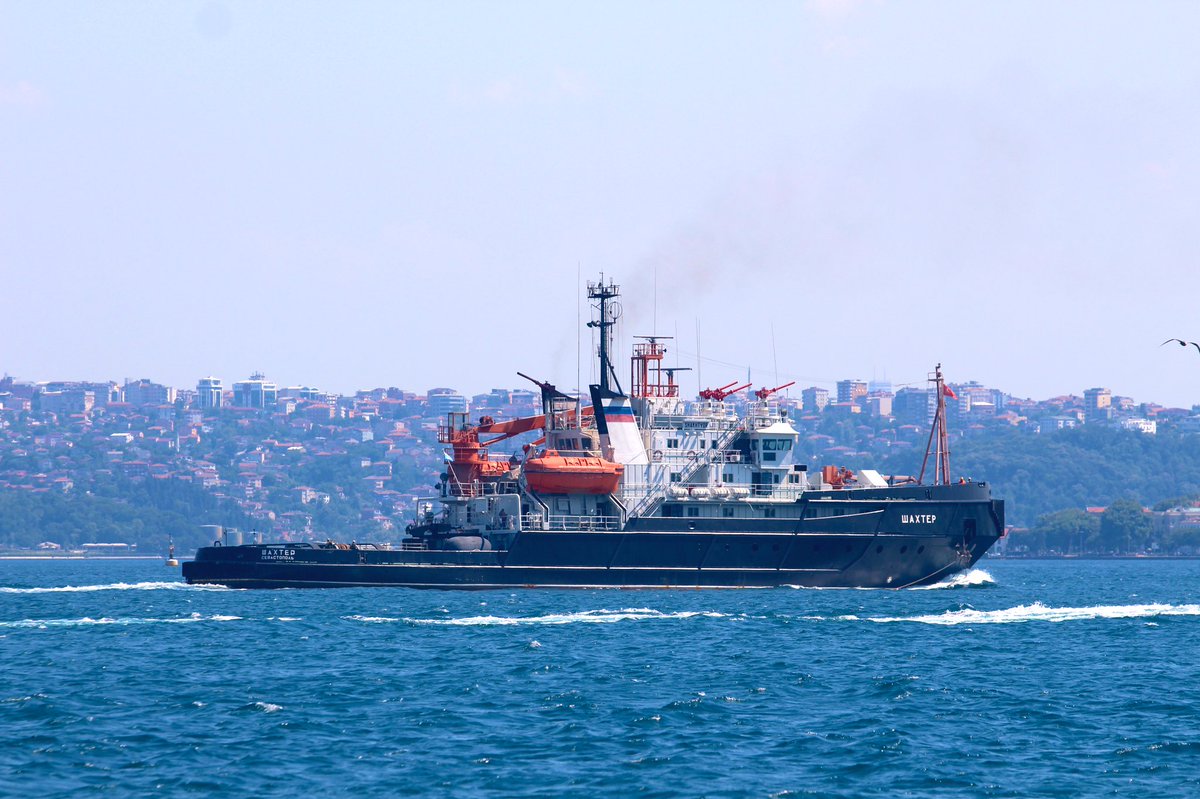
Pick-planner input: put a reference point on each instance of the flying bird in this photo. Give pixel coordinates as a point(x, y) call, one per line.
point(1182, 343)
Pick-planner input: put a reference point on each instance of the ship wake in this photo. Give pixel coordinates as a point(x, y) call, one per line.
point(144, 586)
point(975, 578)
point(1038, 612)
point(581, 617)
point(86, 621)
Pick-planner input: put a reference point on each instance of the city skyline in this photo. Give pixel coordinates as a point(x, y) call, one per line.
point(259, 391)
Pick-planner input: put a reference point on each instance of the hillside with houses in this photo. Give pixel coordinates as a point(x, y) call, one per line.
point(143, 463)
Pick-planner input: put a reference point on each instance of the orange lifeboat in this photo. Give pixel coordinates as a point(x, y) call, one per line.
point(552, 473)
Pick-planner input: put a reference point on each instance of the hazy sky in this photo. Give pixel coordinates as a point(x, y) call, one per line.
point(352, 194)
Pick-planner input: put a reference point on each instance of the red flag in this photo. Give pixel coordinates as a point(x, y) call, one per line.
point(949, 392)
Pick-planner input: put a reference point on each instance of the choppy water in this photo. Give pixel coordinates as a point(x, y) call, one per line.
point(1027, 679)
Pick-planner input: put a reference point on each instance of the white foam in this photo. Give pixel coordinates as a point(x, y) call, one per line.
point(372, 619)
point(972, 579)
point(581, 617)
point(147, 586)
point(1039, 612)
point(86, 621)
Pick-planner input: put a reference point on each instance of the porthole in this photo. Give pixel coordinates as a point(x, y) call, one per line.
point(879, 549)
point(754, 548)
point(903, 549)
point(920, 549)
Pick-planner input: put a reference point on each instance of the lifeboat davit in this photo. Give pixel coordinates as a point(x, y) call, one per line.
point(552, 473)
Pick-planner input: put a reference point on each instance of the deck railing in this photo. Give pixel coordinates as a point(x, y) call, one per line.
point(537, 521)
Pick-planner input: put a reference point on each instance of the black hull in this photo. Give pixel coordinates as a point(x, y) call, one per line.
point(878, 539)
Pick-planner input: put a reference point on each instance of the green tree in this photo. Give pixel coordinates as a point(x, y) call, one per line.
point(1067, 531)
point(1125, 527)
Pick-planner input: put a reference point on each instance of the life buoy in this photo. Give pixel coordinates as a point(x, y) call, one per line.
point(691, 454)
point(657, 455)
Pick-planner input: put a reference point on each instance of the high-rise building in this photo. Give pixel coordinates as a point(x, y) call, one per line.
point(442, 401)
point(851, 390)
point(69, 400)
point(144, 393)
point(914, 405)
point(880, 388)
point(1097, 404)
point(815, 399)
point(878, 404)
point(257, 392)
point(209, 393)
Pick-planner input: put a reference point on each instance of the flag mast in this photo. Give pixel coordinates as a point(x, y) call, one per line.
point(941, 450)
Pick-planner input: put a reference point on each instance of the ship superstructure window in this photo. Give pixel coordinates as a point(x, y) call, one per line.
point(693, 511)
point(675, 477)
point(768, 456)
point(727, 512)
point(672, 443)
point(769, 513)
point(727, 477)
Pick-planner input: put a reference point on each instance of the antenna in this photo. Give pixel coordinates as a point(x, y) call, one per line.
point(605, 294)
point(654, 325)
point(578, 324)
point(774, 354)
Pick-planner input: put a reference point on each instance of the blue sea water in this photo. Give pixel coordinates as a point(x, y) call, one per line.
point(1022, 679)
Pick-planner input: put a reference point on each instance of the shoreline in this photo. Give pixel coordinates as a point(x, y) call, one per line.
point(1089, 557)
point(16, 556)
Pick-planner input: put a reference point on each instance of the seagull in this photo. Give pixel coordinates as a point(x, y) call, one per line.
point(1181, 343)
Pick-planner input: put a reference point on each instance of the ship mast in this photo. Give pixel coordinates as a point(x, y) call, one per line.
point(939, 449)
point(605, 294)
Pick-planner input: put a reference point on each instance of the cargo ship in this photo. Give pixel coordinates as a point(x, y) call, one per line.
point(643, 489)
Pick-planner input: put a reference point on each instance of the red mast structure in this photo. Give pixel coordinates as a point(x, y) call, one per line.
point(646, 369)
point(941, 449)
